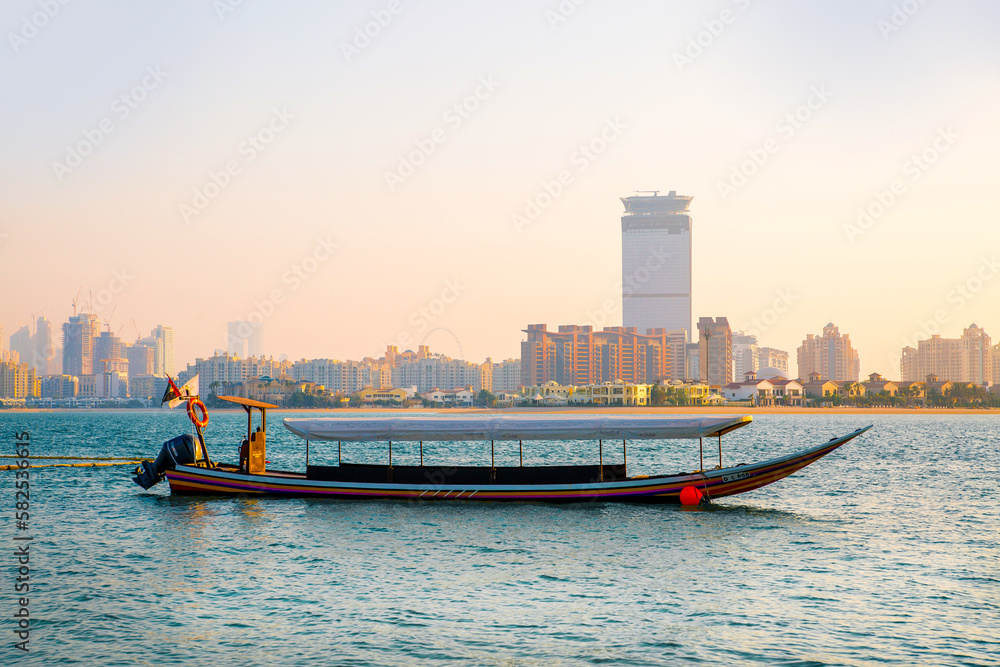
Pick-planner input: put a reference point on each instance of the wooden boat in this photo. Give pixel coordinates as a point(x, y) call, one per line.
point(186, 465)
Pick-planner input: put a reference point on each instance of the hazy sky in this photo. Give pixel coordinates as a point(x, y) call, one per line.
point(182, 160)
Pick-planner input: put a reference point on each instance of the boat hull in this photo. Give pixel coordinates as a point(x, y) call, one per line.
point(658, 489)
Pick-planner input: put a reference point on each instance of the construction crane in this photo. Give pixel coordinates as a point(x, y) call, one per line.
point(138, 336)
point(77, 298)
point(107, 322)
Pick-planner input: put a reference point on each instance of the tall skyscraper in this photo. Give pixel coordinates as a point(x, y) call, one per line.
point(656, 262)
point(165, 350)
point(78, 344)
point(831, 355)
point(20, 342)
point(44, 348)
point(715, 350)
point(245, 339)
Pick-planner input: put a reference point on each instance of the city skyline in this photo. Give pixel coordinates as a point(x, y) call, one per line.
point(455, 191)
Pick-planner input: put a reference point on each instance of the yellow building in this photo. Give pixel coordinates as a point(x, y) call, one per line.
point(369, 396)
point(18, 381)
point(612, 393)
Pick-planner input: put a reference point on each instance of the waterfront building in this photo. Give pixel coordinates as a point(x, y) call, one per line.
point(715, 351)
point(746, 354)
point(831, 355)
point(149, 386)
point(338, 377)
point(693, 392)
point(371, 396)
point(506, 376)
point(656, 262)
point(18, 381)
point(965, 359)
point(438, 371)
point(245, 339)
point(876, 384)
point(59, 386)
point(228, 370)
point(612, 393)
point(817, 387)
point(577, 355)
point(460, 396)
point(771, 362)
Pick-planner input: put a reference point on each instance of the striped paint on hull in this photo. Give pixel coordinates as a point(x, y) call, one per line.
point(662, 489)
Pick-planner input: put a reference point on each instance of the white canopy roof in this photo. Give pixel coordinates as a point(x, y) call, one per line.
point(513, 427)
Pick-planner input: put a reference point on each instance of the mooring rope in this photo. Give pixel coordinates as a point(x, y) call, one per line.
point(73, 465)
point(71, 458)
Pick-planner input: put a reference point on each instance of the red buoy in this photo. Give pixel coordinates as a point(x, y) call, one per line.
point(690, 495)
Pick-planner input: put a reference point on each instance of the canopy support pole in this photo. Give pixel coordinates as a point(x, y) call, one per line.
point(600, 457)
point(701, 454)
point(421, 453)
point(720, 451)
point(338, 452)
point(493, 456)
point(307, 454)
point(520, 446)
point(624, 458)
point(390, 453)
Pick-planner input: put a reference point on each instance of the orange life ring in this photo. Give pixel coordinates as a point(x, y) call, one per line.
point(197, 403)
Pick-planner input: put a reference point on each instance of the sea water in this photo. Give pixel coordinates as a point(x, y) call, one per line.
point(884, 552)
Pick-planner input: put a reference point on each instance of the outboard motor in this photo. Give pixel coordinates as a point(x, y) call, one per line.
point(181, 450)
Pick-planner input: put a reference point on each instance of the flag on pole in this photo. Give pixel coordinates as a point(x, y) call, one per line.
point(174, 396)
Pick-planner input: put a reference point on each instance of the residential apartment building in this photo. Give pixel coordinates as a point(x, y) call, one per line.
point(18, 381)
point(225, 369)
point(506, 375)
point(578, 355)
point(771, 361)
point(831, 355)
point(966, 359)
point(746, 355)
